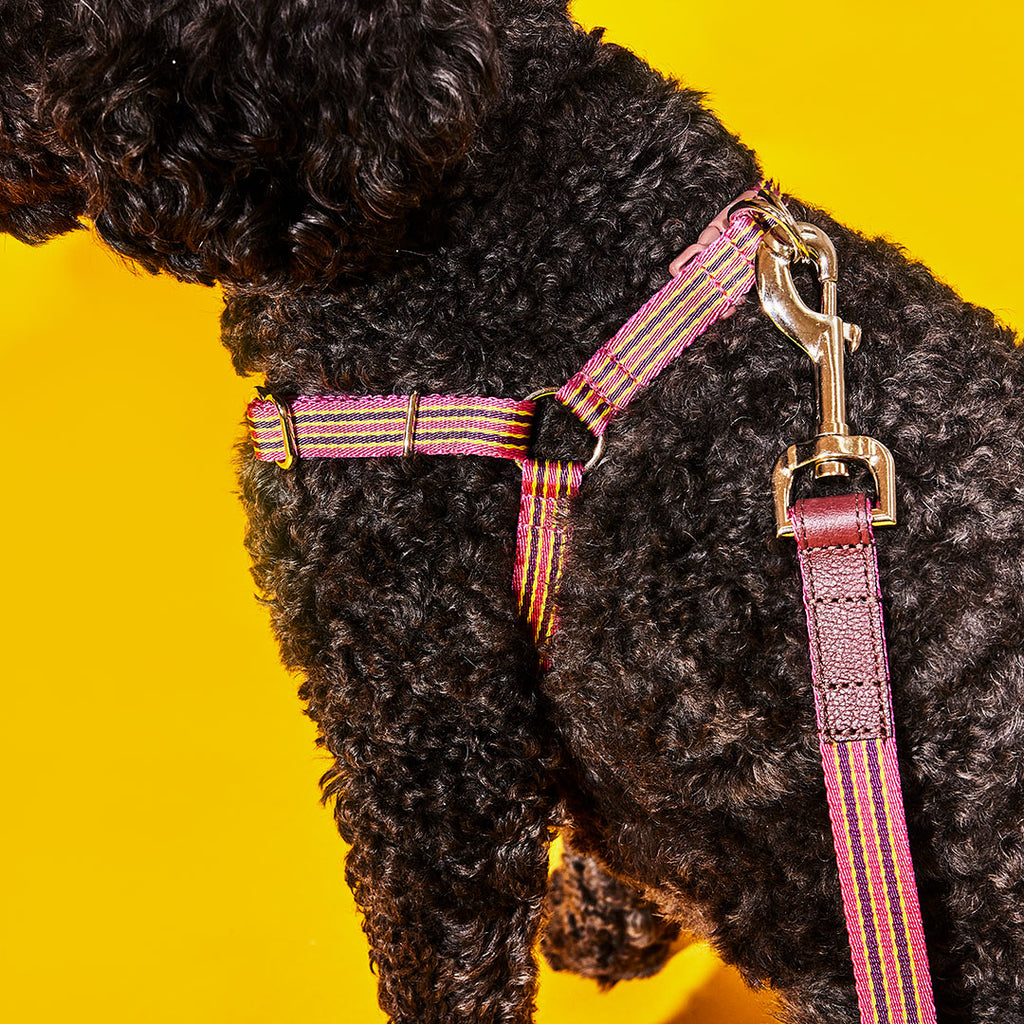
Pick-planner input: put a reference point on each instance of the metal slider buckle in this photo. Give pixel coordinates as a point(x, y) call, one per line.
point(411, 412)
point(825, 338)
point(287, 433)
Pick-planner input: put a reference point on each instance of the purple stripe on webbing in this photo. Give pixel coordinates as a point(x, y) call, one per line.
point(440, 430)
point(544, 545)
point(693, 320)
point(557, 539)
point(471, 413)
point(690, 320)
point(644, 333)
point(867, 922)
point(627, 379)
point(341, 403)
point(904, 954)
point(553, 475)
point(545, 626)
point(398, 415)
point(340, 415)
point(533, 523)
point(607, 351)
point(632, 376)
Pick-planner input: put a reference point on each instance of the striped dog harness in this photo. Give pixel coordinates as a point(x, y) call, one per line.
point(754, 238)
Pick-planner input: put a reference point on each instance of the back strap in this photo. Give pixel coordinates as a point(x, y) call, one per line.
point(850, 670)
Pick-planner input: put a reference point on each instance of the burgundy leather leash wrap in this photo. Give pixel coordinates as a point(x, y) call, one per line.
point(843, 602)
point(844, 617)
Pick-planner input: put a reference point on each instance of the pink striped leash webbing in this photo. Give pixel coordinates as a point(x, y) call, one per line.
point(849, 667)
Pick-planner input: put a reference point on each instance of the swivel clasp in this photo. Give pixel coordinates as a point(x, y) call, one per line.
point(826, 339)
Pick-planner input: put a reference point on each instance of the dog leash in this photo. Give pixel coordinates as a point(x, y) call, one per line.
point(754, 238)
point(849, 665)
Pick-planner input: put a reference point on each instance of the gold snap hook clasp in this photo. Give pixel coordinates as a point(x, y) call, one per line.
point(826, 339)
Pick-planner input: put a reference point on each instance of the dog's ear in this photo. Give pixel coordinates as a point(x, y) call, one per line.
point(41, 189)
point(266, 144)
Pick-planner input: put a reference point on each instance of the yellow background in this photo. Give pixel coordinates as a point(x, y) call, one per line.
point(164, 856)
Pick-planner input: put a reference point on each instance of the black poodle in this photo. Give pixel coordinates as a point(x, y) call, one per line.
point(470, 196)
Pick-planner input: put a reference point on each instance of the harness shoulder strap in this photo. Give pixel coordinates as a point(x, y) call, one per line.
point(707, 289)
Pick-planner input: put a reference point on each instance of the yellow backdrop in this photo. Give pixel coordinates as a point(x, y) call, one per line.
point(164, 854)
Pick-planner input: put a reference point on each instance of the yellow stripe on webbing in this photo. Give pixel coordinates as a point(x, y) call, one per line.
point(548, 612)
point(496, 428)
point(548, 489)
point(341, 426)
point(891, 923)
point(659, 331)
point(535, 579)
point(901, 881)
point(874, 870)
point(840, 772)
point(544, 511)
point(544, 583)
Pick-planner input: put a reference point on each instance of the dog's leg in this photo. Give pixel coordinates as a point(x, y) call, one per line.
point(599, 927)
point(449, 839)
point(426, 692)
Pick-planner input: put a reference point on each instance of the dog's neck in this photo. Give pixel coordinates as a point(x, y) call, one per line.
point(589, 175)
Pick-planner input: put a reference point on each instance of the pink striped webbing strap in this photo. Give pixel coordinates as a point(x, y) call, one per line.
point(707, 289)
point(541, 538)
point(349, 426)
point(842, 599)
point(717, 276)
point(718, 272)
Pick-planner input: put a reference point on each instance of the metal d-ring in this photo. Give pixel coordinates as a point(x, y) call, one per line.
point(598, 452)
point(781, 223)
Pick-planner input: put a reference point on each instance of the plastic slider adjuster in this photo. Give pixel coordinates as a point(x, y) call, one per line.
point(287, 434)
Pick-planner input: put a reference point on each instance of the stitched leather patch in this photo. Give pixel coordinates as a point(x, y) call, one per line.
point(844, 617)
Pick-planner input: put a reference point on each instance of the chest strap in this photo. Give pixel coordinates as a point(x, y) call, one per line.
point(372, 426)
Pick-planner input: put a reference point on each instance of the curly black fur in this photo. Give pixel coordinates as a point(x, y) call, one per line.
point(469, 198)
point(266, 145)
